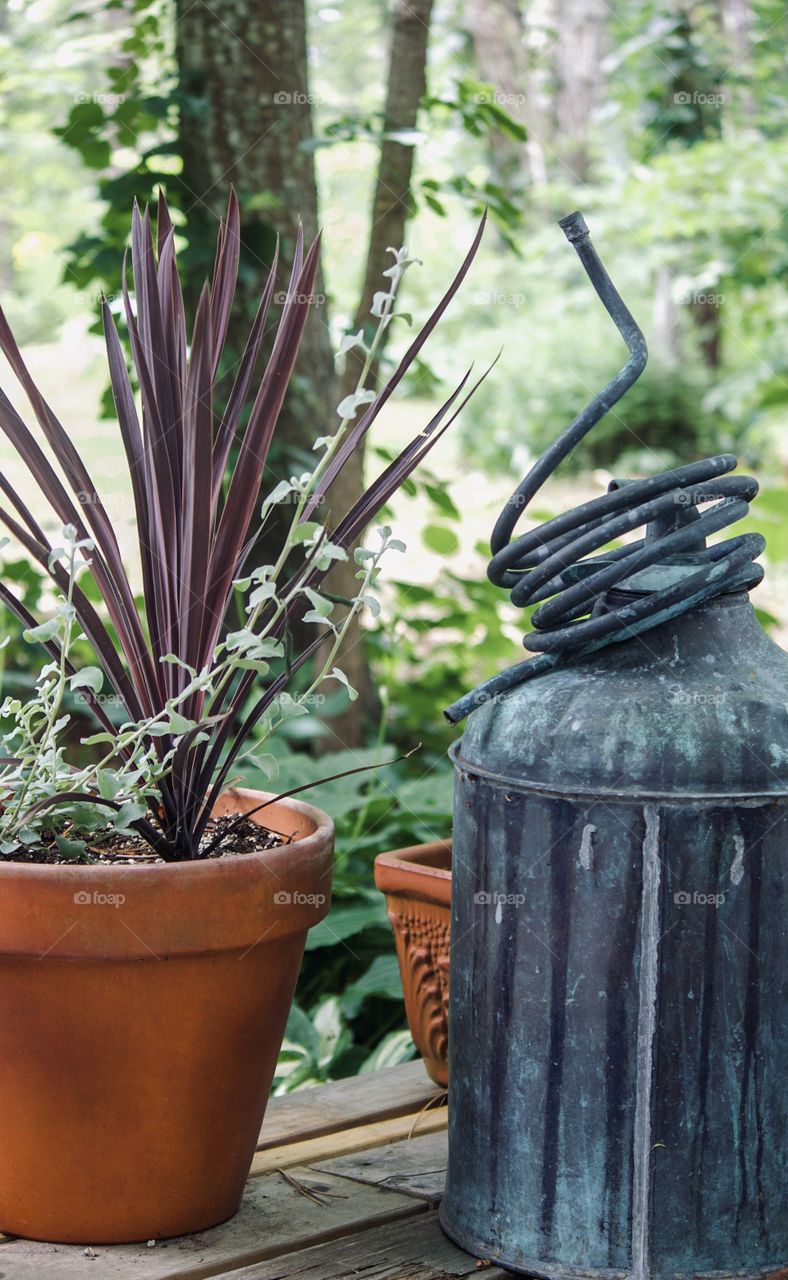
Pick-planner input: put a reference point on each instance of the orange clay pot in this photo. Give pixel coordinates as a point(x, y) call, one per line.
point(417, 885)
point(142, 1010)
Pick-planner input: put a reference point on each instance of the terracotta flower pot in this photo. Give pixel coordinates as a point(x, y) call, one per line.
point(142, 1010)
point(417, 885)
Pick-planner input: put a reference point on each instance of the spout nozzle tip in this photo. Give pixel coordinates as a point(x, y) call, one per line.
point(574, 227)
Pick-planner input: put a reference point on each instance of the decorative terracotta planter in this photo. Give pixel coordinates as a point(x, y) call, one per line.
point(417, 885)
point(142, 1010)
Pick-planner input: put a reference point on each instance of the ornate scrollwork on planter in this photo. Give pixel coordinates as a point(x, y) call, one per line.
point(422, 934)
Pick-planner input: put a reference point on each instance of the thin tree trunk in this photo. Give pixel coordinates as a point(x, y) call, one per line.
point(740, 107)
point(499, 47)
point(540, 21)
point(706, 312)
point(580, 47)
point(665, 317)
point(391, 208)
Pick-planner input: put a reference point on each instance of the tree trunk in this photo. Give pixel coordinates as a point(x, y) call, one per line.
point(580, 47)
point(707, 318)
point(499, 47)
point(740, 108)
point(245, 113)
point(665, 317)
point(540, 21)
point(391, 208)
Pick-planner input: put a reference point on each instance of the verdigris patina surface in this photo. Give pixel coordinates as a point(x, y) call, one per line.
point(617, 1048)
point(617, 1056)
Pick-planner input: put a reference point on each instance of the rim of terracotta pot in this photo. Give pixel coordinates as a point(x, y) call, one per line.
point(184, 908)
point(416, 870)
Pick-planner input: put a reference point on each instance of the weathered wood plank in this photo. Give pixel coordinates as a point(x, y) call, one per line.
point(414, 1248)
point(416, 1167)
point(274, 1219)
point(326, 1108)
point(362, 1138)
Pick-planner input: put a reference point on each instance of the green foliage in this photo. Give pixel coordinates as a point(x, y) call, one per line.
point(126, 133)
point(319, 1046)
point(350, 1015)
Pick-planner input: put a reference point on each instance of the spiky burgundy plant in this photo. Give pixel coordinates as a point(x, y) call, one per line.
point(195, 501)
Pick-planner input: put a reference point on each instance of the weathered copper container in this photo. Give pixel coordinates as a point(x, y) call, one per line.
point(417, 885)
point(618, 1052)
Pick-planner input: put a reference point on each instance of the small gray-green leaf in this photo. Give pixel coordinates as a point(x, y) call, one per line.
point(321, 606)
point(129, 812)
point(41, 634)
point(342, 678)
point(88, 678)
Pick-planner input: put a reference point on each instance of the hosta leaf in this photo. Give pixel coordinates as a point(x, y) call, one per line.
point(382, 978)
point(396, 1047)
point(344, 922)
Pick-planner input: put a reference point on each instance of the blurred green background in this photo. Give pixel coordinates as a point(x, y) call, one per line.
point(664, 122)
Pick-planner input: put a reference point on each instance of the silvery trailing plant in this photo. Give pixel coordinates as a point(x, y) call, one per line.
point(193, 694)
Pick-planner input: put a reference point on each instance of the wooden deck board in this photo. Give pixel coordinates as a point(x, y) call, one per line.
point(416, 1167)
point(362, 1138)
point(415, 1248)
point(274, 1220)
point(380, 1095)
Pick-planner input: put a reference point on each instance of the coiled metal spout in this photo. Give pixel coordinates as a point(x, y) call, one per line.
point(555, 563)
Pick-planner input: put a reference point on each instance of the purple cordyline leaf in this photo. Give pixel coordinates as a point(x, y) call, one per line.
point(166, 281)
point(237, 398)
point(362, 426)
point(149, 320)
point(158, 466)
point(379, 492)
point(109, 561)
point(152, 535)
point(154, 348)
point(294, 791)
point(159, 622)
point(196, 523)
point(163, 222)
point(67, 456)
point(169, 282)
point(244, 488)
point(242, 734)
point(225, 274)
point(89, 797)
point(116, 593)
